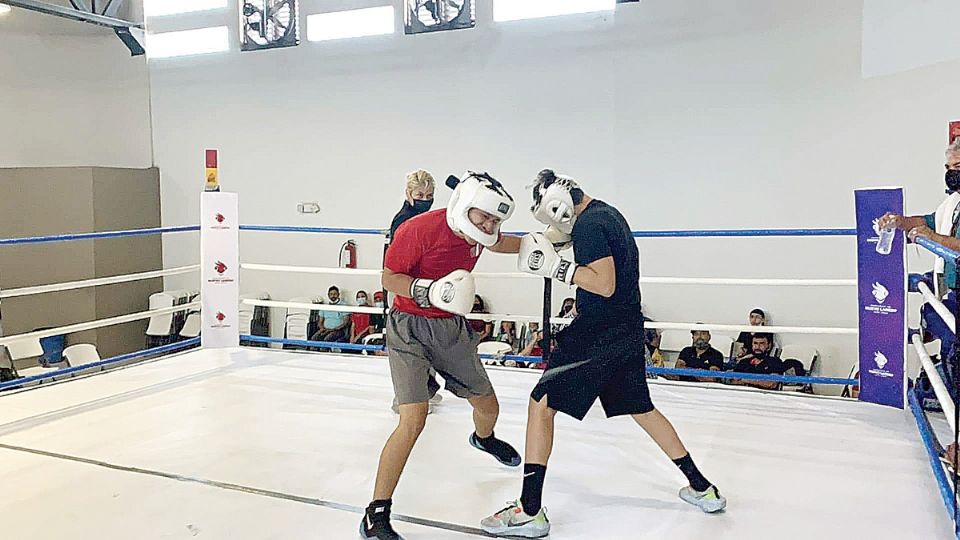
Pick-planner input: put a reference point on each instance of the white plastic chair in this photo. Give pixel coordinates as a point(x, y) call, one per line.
point(83, 353)
point(191, 328)
point(28, 348)
point(494, 348)
point(370, 338)
point(298, 319)
point(674, 340)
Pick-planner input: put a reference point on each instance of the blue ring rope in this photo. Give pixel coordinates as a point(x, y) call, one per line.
point(743, 233)
point(322, 230)
point(96, 235)
point(938, 249)
point(930, 444)
point(534, 359)
point(129, 356)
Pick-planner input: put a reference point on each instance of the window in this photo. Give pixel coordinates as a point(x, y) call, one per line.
point(422, 16)
point(515, 10)
point(353, 23)
point(202, 41)
point(156, 8)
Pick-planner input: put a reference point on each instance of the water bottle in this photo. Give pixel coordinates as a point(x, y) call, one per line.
point(885, 244)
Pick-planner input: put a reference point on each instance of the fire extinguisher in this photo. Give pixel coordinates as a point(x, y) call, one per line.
point(348, 254)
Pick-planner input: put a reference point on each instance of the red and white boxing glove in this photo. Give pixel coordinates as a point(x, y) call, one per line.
point(538, 256)
point(454, 292)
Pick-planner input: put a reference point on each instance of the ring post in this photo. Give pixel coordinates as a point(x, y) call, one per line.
point(219, 270)
point(882, 296)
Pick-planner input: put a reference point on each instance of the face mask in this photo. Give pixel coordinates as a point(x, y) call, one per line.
point(378, 304)
point(334, 302)
point(361, 300)
point(700, 344)
point(420, 206)
point(952, 179)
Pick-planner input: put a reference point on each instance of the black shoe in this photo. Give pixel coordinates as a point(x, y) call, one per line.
point(501, 450)
point(376, 523)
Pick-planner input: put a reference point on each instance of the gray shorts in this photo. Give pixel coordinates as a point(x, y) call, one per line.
point(416, 343)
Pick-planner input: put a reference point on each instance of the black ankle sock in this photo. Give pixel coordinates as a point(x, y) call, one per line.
point(484, 439)
point(690, 470)
point(533, 477)
point(379, 503)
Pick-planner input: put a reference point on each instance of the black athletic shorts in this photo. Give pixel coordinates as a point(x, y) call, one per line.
point(599, 354)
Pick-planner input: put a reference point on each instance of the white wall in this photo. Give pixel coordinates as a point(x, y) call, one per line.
point(70, 95)
point(683, 113)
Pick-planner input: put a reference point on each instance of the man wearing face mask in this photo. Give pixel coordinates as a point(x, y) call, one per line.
point(333, 325)
point(700, 355)
point(940, 226)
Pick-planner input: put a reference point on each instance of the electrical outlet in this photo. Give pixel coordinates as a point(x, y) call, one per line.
point(308, 208)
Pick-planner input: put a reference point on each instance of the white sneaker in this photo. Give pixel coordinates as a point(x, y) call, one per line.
point(513, 521)
point(709, 501)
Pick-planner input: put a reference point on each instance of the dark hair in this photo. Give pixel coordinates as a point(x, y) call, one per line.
point(546, 177)
point(763, 335)
point(333, 288)
point(759, 312)
point(478, 300)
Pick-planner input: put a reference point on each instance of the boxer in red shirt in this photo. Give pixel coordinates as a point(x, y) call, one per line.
point(428, 268)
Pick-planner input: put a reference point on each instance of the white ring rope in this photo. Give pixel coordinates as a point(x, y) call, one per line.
point(938, 306)
point(557, 320)
point(92, 325)
point(939, 389)
point(523, 275)
point(96, 282)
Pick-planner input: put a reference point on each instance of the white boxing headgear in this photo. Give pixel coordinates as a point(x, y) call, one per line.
point(483, 192)
point(552, 201)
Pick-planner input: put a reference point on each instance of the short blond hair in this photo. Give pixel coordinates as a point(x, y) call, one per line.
point(420, 179)
point(954, 147)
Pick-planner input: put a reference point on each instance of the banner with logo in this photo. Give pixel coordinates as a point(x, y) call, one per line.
point(220, 270)
point(882, 293)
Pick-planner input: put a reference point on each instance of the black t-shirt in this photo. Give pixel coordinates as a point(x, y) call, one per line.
point(406, 212)
point(768, 365)
point(710, 358)
point(599, 232)
point(376, 321)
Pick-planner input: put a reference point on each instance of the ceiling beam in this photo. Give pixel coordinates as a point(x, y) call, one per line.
point(72, 14)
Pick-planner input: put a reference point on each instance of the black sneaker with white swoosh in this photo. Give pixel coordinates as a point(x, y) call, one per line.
point(376, 522)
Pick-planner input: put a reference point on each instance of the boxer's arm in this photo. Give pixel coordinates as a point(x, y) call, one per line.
point(507, 244)
point(598, 277)
point(398, 284)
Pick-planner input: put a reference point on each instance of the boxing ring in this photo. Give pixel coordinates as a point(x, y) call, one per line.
point(260, 442)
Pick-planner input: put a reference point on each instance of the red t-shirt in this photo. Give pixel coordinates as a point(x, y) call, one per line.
point(425, 247)
point(361, 321)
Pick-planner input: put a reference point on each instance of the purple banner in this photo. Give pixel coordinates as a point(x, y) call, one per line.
point(882, 285)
